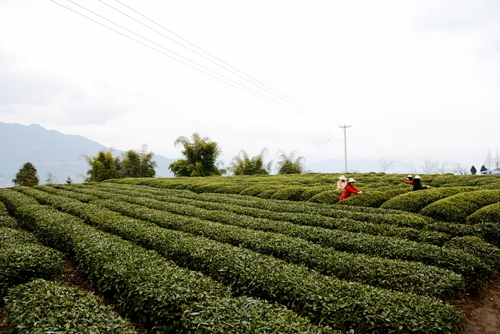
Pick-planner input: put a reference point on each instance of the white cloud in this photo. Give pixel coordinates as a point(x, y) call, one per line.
point(411, 78)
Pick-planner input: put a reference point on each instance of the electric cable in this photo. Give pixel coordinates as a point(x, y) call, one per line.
point(241, 87)
point(323, 144)
point(225, 79)
point(227, 66)
point(369, 143)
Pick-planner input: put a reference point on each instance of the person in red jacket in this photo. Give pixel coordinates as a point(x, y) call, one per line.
point(349, 190)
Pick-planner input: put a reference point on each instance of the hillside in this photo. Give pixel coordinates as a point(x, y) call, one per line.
point(51, 151)
point(390, 260)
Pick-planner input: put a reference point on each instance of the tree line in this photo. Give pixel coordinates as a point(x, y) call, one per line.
point(201, 158)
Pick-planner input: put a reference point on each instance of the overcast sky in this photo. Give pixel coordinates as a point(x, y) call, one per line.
point(413, 79)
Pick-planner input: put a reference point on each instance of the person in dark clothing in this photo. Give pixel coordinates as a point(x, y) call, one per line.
point(417, 185)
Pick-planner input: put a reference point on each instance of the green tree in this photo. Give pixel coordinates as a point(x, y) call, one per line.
point(244, 165)
point(473, 170)
point(103, 167)
point(69, 181)
point(26, 176)
point(288, 164)
point(138, 163)
point(483, 168)
point(201, 157)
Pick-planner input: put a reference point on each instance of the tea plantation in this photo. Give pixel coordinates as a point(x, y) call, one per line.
point(255, 254)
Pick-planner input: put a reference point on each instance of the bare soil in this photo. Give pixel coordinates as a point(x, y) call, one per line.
point(482, 310)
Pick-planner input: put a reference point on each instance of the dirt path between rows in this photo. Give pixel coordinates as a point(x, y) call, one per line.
point(482, 310)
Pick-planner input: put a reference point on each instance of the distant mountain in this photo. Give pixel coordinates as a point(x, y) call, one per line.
point(52, 151)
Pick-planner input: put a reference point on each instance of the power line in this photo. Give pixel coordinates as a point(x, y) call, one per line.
point(368, 143)
point(326, 142)
point(202, 68)
point(221, 63)
point(231, 82)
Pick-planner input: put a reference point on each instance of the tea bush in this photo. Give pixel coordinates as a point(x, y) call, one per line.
point(41, 306)
point(253, 190)
point(23, 262)
point(5, 219)
point(490, 232)
point(478, 247)
point(218, 212)
point(234, 189)
point(268, 193)
point(312, 191)
point(458, 207)
point(326, 197)
point(488, 213)
point(10, 236)
point(369, 198)
point(379, 224)
point(160, 294)
point(415, 201)
point(289, 194)
point(392, 274)
point(319, 297)
point(462, 263)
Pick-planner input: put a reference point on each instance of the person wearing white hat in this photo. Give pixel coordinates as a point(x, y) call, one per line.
point(349, 190)
point(341, 183)
point(417, 185)
point(409, 180)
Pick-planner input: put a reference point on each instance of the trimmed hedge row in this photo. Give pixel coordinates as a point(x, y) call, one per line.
point(390, 274)
point(22, 259)
point(378, 181)
point(458, 207)
point(20, 263)
point(326, 197)
point(311, 192)
point(490, 232)
point(40, 307)
point(451, 180)
point(415, 201)
point(364, 214)
point(216, 209)
point(373, 198)
point(5, 219)
point(254, 190)
point(231, 189)
point(289, 194)
point(323, 299)
point(10, 236)
point(474, 245)
point(488, 213)
point(463, 263)
point(159, 293)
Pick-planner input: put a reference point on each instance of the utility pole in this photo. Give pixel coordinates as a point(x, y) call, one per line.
point(345, 145)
